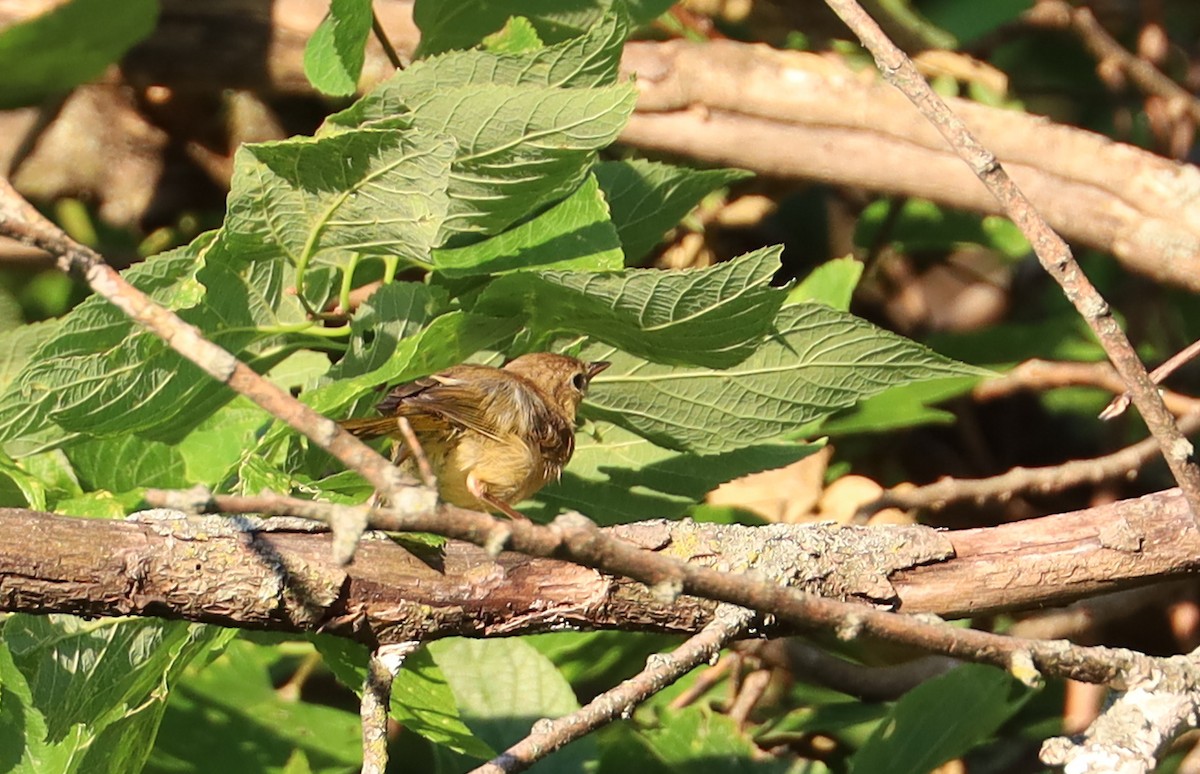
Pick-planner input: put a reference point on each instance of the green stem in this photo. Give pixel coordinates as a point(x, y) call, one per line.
point(347, 284)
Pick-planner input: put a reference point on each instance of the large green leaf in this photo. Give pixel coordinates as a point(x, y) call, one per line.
point(616, 476)
point(713, 317)
point(461, 25)
point(942, 719)
point(817, 360)
point(520, 147)
point(648, 198)
point(68, 45)
point(18, 345)
point(230, 717)
point(421, 699)
point(379, 191)
point(502, 687)
point(100, 374)
point(97, 357)
point(125, 462)
point(574, 234)
point(86, 696)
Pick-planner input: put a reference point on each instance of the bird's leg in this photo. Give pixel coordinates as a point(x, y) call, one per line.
point(479, 490)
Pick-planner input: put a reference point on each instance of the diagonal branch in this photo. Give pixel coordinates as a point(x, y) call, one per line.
point(19, 220)
point(1053, 253)
point(728, 623)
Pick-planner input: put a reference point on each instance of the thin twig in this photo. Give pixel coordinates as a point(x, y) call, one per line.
point(728, 623)
point(1121, 402)
point(1053, 253)
point(417, 451)
point(1038, 374)
point(869, 683)
point(19, 220)
point(749, 694)
point(1147, 77)
point(1054, 478)
point(729, 663)
point(384, 42)
point(382, 667)
point(575, 538)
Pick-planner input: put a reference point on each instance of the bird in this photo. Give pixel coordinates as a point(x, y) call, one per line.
point(492, 436)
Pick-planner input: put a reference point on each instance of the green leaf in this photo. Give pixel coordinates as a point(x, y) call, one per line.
point(101, 504)
point(373, 191)
point(421, 699)
point(19, 489)
point(520, 147)
point(696, 737)
point(923, 225)
point(502, 687)
point(229, 717)
point(516, 37)
point(906, 405)
point(333, 58)
point(817, 361)
point(447, 340)
point(462, 25)
point(100, 374)
point(67, 46)
point(524, 142)
point(648, 198)
point(942, 719)
point(67, 681)
point(126, 462)
point(96, 357)
point(832, 283)
point(586, 61)
point(53, 469)
point(18, 345)
point(616, 476)
point(574, 234)
point(391, 314)
point(713, 317)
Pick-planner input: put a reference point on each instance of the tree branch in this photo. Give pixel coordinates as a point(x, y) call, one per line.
point(287, 581)
point(728, 623)
point(1053, 253)
point(19, 220)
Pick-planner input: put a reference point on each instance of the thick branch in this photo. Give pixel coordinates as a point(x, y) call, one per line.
point(397, 592)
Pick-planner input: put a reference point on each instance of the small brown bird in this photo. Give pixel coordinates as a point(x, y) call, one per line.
point(493, 436)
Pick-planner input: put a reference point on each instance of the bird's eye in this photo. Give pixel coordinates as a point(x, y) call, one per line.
point(579, 382)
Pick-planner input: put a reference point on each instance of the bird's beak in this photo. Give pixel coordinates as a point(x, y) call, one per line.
point(596, 367)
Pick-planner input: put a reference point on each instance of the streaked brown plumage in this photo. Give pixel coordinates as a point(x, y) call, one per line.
point(493, 436)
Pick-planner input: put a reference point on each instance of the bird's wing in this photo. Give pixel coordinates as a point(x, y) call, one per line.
point(554, 436)
point(455, 396)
